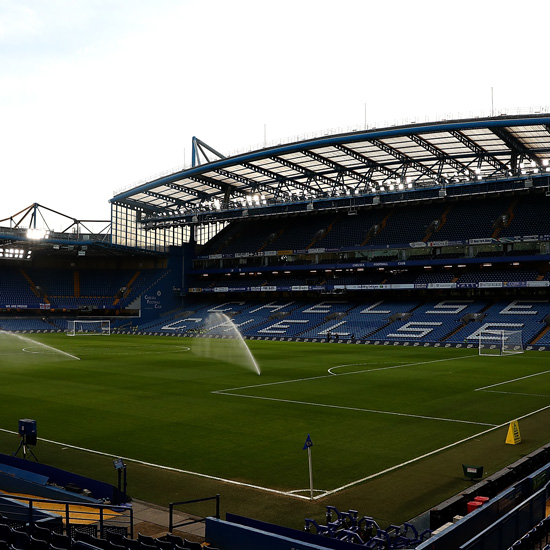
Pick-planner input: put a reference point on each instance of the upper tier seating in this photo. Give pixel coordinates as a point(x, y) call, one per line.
point(71, 289)
point(439, 221)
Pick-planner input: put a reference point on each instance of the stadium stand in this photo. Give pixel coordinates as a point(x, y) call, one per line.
point(368, 244)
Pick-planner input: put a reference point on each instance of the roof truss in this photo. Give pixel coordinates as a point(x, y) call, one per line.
point(364, 162)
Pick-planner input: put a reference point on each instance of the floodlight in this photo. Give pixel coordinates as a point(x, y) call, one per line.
point(401, 186)
point(392, 187)
point(545, 162)
point(36, 234)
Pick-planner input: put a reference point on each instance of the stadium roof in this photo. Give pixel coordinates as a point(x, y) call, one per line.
point(368, 162)
point(30, 232)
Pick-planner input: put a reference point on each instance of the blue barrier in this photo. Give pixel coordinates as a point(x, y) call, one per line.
point(238, 533)
point(35, 470)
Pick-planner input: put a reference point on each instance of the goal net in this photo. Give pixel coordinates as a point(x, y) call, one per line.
point(90, 328)
point(500, 342)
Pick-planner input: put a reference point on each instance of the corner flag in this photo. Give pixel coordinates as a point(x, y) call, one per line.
point(307, 445)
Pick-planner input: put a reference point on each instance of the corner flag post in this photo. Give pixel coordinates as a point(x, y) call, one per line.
point(307, 445)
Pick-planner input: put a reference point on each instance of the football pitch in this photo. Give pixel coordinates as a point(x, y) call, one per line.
point(198, 408)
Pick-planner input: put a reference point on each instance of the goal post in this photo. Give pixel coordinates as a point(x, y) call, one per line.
point(98, 327)
point(500, 342)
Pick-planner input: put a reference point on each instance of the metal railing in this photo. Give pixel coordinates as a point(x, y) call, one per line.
point(191, 521)
point(70, 515)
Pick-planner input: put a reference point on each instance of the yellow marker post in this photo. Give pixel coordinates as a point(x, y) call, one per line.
point(513, 437)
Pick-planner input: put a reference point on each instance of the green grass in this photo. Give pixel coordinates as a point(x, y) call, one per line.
point(172, 402)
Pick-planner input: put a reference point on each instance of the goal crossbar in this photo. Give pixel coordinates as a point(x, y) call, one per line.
point(500, 342)
point(98, 327)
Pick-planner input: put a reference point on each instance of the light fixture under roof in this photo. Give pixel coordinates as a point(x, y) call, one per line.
point(36, 234)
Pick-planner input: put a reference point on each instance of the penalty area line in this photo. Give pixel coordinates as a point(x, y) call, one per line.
point(357, 409)
point(170, 468)
point(399, 366)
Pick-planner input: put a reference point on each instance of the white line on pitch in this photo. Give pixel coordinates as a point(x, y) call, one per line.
point(275, 491)
point(416, 459)
point(359, 409)
point(169, 468)
point(343, 374)
point(517, 393)
point(513, 380)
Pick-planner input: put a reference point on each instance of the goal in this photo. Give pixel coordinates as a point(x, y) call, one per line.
point(500, 342)
point(88, 328)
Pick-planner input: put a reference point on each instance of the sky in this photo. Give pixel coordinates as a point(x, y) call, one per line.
point(99, 95)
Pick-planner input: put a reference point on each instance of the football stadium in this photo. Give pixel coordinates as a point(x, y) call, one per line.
point(328, 343)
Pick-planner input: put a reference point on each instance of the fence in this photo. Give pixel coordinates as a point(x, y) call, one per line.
point(191, 521)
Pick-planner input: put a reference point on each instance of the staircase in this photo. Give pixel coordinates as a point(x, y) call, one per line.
point(443, 221)
point(510, 217)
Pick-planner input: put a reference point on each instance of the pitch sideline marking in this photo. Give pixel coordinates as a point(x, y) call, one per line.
point(517, 393)
point(513, 380)
point(239, 483)
point(288, 493)
point(397, 466)
point(167, 468)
